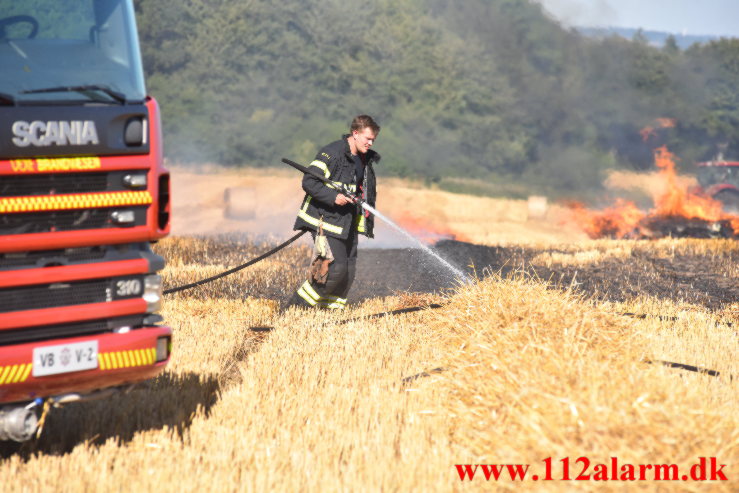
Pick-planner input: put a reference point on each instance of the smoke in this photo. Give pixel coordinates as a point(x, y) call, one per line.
point(579, 13)
point(211, 200)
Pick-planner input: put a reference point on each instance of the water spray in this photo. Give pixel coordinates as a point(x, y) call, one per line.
point(359, 200)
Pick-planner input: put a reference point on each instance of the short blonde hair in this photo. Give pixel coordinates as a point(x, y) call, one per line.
point(361, 122)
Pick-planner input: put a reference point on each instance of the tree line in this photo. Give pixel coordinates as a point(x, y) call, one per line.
point(489, 90)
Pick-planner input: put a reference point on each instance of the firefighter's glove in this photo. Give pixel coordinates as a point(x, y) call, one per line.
point(321, 259)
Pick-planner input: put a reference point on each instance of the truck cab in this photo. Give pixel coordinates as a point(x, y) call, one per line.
point(83, 193)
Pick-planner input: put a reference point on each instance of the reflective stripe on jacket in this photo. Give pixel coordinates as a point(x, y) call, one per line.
point(335, 162)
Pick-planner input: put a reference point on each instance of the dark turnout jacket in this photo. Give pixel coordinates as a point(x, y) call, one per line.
point(335, 162)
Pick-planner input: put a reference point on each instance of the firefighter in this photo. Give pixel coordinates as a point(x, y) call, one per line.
point(333, 219)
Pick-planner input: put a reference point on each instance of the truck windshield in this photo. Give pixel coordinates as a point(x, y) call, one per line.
point(69, 51)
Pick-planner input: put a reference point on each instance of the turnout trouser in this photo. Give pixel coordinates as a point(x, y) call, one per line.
point(341, 272)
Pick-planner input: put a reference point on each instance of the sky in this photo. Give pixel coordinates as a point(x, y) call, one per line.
point(692, 17)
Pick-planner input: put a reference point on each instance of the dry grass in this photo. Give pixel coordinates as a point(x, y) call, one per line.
point(595, 251)
point(581, 257)
point(190, 259)
point(321, 404)
point(564, 378)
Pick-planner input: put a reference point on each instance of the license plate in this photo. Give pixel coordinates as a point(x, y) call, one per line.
point(65, 358)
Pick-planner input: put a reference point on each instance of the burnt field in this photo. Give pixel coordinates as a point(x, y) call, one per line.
point(697, 272)
point(691, 276)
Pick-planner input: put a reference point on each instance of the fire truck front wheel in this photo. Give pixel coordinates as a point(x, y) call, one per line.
point(9, 448)
point(730, 200)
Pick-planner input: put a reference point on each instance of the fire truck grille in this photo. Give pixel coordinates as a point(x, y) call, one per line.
point(69, 220)
point(54, 295)
point(71, 293)
point(46, 332)
point(20, 186)
point(68, 256)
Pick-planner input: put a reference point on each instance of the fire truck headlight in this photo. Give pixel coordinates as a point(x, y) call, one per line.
point(153, 293)
point(123, 218)
point(135, 132)
point(135, 181)
point(164, 347)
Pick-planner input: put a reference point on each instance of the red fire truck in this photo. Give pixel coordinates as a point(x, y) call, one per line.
point(83, 192)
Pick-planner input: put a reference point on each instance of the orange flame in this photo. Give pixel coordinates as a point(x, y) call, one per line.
point(677, 200)
point(650, 131)
point(616, 221)
point(624, 219)
point(647, 132)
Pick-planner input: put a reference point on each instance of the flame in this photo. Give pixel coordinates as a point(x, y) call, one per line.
point(425, 230)
point(650, 130)
point(675, 200)
point(647, 132)
point(615, 221)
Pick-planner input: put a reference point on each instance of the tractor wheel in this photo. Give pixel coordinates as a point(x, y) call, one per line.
point(730, 201)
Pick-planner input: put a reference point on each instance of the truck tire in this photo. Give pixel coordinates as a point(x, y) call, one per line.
point(240, 203)
point(730, 201)
point(9, 448)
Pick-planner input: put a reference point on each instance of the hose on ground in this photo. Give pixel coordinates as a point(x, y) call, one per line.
point(237, 268)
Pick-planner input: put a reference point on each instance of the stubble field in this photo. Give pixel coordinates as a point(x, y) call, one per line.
point(552, 351)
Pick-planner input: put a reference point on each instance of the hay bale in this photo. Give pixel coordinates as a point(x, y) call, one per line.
point(240, 203)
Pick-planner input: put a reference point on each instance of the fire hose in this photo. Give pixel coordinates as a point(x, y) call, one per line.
point(237, 268)
point(343, 188)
